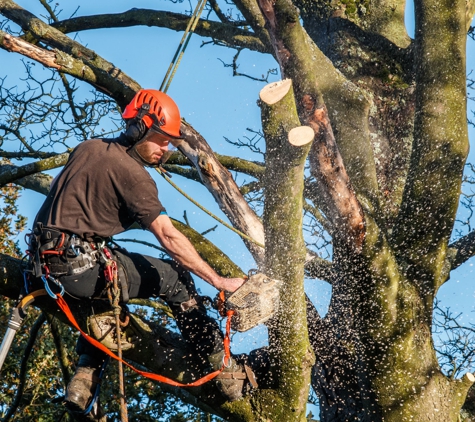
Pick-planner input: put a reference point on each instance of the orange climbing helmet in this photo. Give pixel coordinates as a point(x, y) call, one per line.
point(156, 110)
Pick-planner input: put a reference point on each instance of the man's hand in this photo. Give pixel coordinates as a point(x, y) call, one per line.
point(230, 284)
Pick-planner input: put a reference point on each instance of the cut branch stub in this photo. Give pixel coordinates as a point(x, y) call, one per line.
point(337, 198)
point(274, 92)
point(300, 136)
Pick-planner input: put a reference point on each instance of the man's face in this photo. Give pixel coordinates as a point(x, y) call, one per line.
point(153, 147)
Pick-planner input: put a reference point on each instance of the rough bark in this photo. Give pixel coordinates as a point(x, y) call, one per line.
point(440, 141)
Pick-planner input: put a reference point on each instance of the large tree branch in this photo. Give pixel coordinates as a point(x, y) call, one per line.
point(67, 64)
point(10, 173)
point(222, 32)
point(440, 147)
point(461, 250)
point(292, 45)
point(108, 77)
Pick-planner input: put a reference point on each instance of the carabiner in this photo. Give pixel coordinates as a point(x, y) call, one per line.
point(48, 289)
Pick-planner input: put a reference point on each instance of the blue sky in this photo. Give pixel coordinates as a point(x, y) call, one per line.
point(218, 106)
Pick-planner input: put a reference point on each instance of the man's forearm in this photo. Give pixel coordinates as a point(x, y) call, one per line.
point(182, 251)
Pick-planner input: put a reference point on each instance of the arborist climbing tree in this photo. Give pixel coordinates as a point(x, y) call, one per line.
point(362, 140)
point(69, 248)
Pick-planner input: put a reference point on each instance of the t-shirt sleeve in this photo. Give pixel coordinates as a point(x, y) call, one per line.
point(140, 196)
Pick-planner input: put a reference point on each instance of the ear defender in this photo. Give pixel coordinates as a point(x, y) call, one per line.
point(135, 131)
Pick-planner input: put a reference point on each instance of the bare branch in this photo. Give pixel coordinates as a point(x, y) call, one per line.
point(86, 65)
point(234, 65)
point(224, 32)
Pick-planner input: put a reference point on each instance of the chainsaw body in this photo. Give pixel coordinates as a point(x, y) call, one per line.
point(254, 302)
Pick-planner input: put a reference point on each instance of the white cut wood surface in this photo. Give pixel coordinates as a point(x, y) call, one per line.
point(274, 92)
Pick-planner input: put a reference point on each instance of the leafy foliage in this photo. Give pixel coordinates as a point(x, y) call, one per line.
point(11, 222)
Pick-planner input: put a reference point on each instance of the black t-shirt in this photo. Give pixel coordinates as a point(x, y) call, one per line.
point(101, 192)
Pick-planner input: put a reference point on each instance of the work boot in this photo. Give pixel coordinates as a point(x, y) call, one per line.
point(235, 378)
point(81, 389)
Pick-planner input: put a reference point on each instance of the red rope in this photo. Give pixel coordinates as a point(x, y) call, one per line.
point(227, 352)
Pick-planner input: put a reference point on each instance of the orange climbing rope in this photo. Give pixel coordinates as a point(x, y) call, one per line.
point(160, 378)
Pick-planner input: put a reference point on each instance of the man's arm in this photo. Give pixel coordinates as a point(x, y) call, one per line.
point(182, 251)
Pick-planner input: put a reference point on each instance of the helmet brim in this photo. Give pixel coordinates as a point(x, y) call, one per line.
point(174, 140)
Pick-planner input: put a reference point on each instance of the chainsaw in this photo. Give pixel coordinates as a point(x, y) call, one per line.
point(253, 303)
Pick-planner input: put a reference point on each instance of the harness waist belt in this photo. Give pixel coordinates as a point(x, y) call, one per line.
point(62, 253)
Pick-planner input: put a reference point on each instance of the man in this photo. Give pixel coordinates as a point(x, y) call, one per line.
point(103, 189)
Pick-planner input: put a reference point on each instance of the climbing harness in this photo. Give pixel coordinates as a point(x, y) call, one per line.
point(163, 172)
point(195, 17)
point(64, 253)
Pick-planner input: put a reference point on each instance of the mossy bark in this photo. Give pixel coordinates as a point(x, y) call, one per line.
point(440, 140)
point(285, 256)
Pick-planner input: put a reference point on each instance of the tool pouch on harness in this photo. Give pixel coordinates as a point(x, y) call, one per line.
point(60, 252)
point(57, 254)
